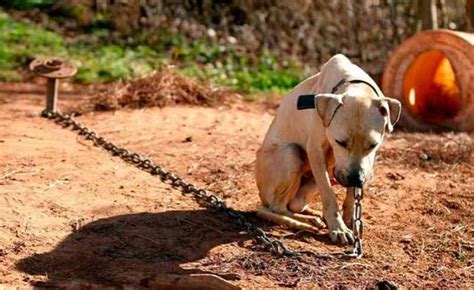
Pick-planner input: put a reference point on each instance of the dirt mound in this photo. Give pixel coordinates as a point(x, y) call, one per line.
point(159, 89)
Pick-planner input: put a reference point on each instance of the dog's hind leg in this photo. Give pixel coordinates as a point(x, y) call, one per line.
point(279, 171)
point(286, 219)
point(300, 203)
point(278, 174)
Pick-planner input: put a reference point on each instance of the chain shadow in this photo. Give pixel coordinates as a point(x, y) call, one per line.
point(123, 248)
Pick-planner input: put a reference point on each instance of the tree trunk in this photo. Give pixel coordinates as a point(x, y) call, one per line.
point(427, 14)
point(470, 14)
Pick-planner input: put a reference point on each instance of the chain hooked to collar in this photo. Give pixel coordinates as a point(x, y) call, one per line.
point(54, 69)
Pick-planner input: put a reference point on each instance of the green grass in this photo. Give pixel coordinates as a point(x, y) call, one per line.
point(111, 62)
point(237, 71)
point(28, 4)
point(99, 61)
point(20, 42)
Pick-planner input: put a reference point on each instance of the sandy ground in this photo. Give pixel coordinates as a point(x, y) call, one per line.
point(70, 212)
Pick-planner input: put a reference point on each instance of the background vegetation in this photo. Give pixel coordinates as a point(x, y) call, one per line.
point(248, 45)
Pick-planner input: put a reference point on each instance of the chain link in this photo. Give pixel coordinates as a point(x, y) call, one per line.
point(357, 224)
point(204, 198)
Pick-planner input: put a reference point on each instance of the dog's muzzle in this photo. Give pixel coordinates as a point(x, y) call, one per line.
point(355, 178)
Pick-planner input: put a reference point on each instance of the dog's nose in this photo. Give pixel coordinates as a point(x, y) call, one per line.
point(355, 179)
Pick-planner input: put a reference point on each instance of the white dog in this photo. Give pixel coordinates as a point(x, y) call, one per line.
point(330, 125)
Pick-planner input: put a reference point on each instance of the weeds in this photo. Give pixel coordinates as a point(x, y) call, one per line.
point(20, 42)
point(101, 60)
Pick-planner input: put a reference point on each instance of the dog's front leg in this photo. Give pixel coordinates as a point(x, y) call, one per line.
point(338, 231)
point(348, 207)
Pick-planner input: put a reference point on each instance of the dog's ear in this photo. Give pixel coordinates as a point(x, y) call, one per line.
point(327, 106)
point(391, 108)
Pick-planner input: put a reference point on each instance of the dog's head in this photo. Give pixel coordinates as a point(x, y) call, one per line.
point(355, 127)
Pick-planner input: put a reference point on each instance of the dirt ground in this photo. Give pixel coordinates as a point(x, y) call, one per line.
point(71, 213)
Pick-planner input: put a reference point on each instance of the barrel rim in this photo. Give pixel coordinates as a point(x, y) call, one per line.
point(455, 45)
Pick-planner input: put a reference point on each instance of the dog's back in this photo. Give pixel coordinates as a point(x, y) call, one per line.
point(337, 68)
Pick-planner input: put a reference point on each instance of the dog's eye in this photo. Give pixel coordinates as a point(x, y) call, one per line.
point(342, 143)
point(372, 146)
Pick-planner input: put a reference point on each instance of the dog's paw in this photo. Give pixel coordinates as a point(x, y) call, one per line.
point(342, 235)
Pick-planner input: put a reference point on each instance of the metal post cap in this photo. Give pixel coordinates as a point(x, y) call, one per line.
point(53, 68)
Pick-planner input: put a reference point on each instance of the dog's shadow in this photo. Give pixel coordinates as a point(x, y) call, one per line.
point(132, 247)
point(123, 248)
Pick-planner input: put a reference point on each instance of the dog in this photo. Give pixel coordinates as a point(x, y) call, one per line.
point(328, 126)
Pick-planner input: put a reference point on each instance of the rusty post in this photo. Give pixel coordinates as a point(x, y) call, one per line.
point(53, 69)
point(52, 95)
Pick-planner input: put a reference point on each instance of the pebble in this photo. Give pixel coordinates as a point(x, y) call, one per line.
point(424, 156)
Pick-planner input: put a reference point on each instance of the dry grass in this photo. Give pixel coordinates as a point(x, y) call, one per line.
point(159, 89)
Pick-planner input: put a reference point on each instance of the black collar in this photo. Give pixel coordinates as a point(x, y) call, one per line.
point(307, 101)
point(343, 81)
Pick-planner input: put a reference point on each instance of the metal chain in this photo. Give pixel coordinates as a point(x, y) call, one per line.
point(357, 224)
point(202, 196)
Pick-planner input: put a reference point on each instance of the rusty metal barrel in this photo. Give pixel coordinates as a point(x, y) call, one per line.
point(432, 74)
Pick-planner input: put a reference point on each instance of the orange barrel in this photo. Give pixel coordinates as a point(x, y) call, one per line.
point(432, 74)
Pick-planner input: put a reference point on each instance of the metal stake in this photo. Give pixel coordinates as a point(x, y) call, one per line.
point(52, 95)
point(53, 69)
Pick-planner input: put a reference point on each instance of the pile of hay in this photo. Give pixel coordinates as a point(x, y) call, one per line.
point(160, 89)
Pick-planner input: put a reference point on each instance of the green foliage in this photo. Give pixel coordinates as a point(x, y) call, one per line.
point(28, 4)
point(102, 61)
point(19, 43)
point(226, 66)
point(111, 62)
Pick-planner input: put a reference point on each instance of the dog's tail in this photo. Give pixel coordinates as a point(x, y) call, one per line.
point(281, 219)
